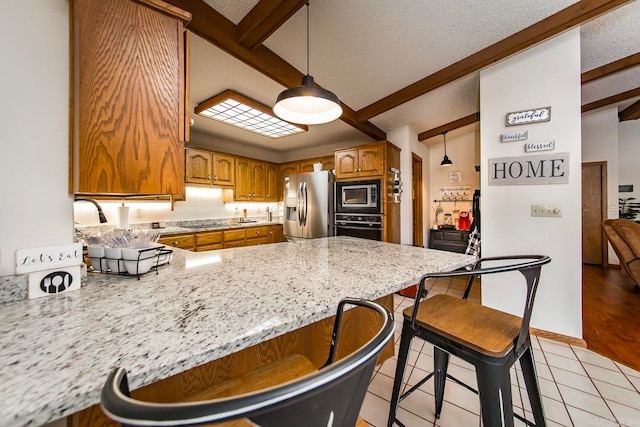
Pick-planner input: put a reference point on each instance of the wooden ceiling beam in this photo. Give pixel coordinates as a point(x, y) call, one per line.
point(611, 100)
point(221, 32)
point(471, 118)
point(265, 17)
point(569, 17)
point(632, 112)
point(611, 68)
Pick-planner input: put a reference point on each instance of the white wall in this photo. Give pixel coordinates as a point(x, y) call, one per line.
point(545, 75)
point(629, 156)
point(36, 208)
point(600, 144)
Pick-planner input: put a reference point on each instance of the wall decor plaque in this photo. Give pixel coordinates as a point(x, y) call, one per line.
point(539, 146)
point(531, 169)
point(536, 115)
point(514, 136)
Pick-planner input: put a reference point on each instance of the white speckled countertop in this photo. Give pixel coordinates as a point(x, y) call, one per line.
point(56, 351)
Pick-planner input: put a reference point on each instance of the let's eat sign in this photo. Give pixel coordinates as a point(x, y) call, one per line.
point(38, 259)
point(538, 169)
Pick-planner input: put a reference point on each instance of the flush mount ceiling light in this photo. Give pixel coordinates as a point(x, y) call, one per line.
point(232, 108)
point(445, 161)
point(308, 104)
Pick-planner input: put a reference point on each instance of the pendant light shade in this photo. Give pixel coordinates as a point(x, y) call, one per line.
point(307, 104)
point(445, 161)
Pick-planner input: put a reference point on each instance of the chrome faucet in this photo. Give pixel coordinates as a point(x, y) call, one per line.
point(101, 216)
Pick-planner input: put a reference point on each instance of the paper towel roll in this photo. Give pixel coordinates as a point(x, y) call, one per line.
point(123, 217)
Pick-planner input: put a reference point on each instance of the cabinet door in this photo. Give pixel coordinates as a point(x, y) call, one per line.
point(208, 240)
point(328, 163)
point(182, 241)
point(223, 169)
point(371, 161)
point(273, 194)
point(130, 73)
point(346, 163)
point(197, 166)
point(259, 181)
point(307, 165)
point(276, 234)
point(285, 169)
point(243, 189)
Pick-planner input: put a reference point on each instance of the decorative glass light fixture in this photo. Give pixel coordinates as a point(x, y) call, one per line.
point(235, 109)
point(445, 161)
point(307, 104)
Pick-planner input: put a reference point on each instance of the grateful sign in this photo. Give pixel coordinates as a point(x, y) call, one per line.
point(529, 116)
point(537, 169)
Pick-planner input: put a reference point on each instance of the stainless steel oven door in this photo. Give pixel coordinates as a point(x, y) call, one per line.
point(361, 231)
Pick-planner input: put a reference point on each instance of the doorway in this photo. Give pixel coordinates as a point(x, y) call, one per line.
point(416, 199)
point(594, 212)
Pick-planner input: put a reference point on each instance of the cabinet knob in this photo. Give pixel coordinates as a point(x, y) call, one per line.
point(215, 177)
point(176, 242)
point(258, 232)
point(208, 176)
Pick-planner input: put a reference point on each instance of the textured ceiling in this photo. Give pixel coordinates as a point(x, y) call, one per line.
point(364, 51)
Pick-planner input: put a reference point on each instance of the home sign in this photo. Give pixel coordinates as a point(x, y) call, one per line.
point(529, 116)
point(533, 169)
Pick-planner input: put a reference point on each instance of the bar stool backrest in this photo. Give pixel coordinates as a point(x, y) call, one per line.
point(331, 396)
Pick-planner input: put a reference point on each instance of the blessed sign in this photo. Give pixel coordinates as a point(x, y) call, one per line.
point(538, 169)
point(38, 259)
point(539, 146)
point(529, 116)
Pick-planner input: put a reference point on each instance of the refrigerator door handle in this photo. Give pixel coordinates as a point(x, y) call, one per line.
point(299, 203)
point(305, 204)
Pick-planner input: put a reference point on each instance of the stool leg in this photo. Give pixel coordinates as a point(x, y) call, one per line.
point(403, 354)
point(494, 388)
point(440, 365)
point(533, 389)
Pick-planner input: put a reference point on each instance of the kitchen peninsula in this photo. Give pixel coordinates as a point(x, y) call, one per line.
point(56, 351)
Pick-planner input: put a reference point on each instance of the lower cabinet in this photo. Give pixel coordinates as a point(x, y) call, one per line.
point(182, 241)
point(209, 240)
point(449, 240)
point(222, 239)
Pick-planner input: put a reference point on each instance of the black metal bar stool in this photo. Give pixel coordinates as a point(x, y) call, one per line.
point(491, 340)
point(332, 395)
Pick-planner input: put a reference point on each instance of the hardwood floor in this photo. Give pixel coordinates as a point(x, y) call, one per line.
point(611, 314)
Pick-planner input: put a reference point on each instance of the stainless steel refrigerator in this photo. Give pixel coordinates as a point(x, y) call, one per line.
point(308, 205)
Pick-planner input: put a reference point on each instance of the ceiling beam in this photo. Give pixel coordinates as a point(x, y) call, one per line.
point(611, 100)
point(611, 68)
point(265, 17)
point(632, 112)
point(471, 118)
point(569, 17)
point(221, 32)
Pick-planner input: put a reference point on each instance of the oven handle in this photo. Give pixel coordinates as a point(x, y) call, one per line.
point(352, 227)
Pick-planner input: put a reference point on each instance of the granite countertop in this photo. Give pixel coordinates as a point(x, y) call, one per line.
point(57, 351)
point(198, 228)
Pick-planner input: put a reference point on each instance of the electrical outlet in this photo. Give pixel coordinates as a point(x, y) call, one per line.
point(550, 211)
point(138, 213)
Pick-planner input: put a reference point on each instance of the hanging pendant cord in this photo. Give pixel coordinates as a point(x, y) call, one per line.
point(307, 38)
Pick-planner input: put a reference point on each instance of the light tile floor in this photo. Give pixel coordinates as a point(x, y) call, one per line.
point(579, 388)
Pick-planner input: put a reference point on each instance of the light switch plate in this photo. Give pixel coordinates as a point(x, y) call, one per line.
point(550, 211)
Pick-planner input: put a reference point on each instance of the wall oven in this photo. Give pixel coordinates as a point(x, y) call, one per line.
point(357, 225)
point(358, 197)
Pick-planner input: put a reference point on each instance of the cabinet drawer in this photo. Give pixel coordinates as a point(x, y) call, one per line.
point(182, 241)
point(232, 235)
point(208, 238)
point(211, 247)
point(234, 244)
point(258, 241)
point(257, 231)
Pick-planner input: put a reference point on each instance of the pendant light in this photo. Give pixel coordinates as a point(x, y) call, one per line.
point(445, 161)
point(307, 104)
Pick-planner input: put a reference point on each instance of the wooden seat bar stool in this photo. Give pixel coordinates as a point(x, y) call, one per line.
point(331, 395)
point(491, 340)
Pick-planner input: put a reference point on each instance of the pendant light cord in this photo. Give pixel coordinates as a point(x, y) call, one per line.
point(307, 38)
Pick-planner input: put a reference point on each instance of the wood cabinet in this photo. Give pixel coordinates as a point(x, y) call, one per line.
point(276, 234)
point(272, 183)
point(208, 168)
point(451, 240)
point(328, 163)
point(209, 240)
point(251, 180)
point(235, 238)
point(130, 98)
point(258, 235)
point(362, 162)
point(182, 241)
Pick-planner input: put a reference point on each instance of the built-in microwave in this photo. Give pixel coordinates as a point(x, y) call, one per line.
point(358, 196)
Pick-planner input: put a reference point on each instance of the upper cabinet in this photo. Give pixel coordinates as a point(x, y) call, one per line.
point(205, 167)
point(361, 162)
point(255, 181)
point(130, 98)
